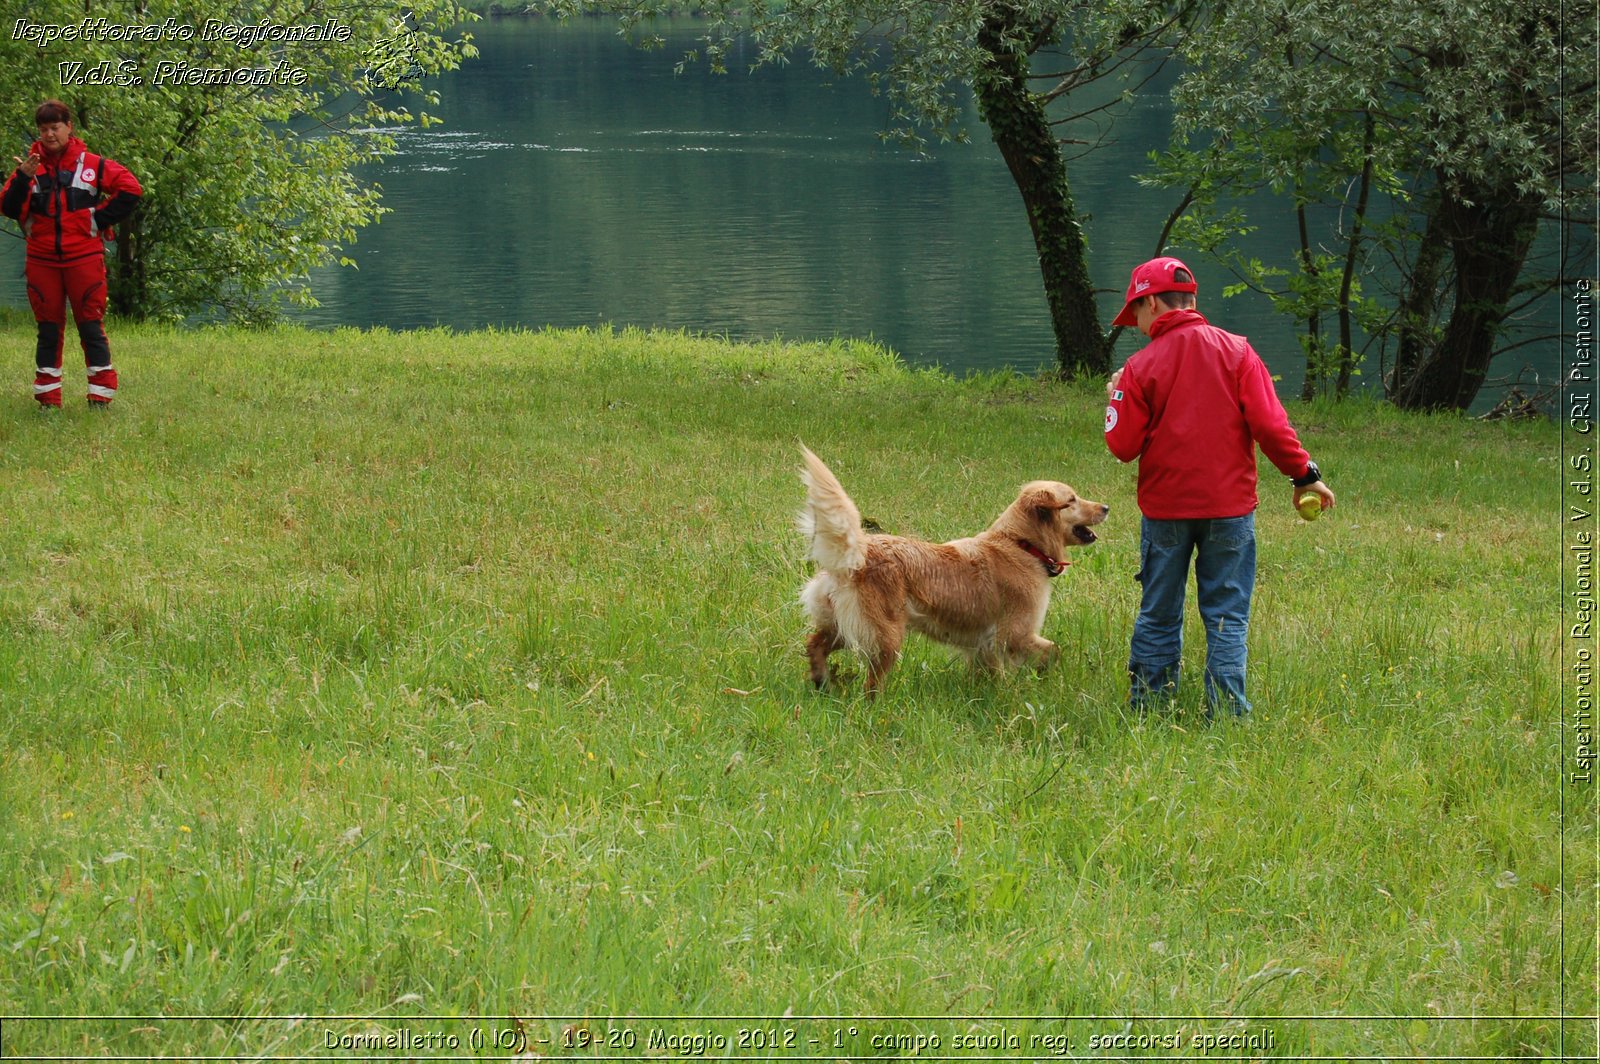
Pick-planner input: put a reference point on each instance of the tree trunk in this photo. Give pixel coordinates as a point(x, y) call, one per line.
point(1315, 362)
point(128, 291)
point(1417, 302)
point(1490, 232)
point(1347, 357)
point(1021, 130)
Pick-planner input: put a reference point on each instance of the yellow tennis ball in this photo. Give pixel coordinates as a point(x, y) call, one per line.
point(1310, 506)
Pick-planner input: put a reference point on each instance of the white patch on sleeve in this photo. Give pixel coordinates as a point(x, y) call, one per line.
point(1111, 418)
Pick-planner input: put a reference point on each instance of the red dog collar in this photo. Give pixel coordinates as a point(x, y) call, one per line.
point(1051, 566)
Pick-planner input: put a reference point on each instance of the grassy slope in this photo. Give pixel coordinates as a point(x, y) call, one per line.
point(344, 669)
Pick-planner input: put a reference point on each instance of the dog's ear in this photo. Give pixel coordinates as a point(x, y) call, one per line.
point(1042, 503)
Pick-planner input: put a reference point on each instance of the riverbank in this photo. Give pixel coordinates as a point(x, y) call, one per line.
point(418, 674)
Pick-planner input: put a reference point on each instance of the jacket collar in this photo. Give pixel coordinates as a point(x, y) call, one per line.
point(1173, 319)
point(68, 159)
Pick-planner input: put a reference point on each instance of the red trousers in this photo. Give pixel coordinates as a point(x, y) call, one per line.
point(50, 288)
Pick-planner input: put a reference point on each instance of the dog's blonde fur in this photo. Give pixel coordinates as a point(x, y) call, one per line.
point(985, 595)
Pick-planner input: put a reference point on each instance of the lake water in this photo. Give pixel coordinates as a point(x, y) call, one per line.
point(576, 180)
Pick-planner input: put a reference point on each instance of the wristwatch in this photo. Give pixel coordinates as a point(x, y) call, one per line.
point(1313, 474)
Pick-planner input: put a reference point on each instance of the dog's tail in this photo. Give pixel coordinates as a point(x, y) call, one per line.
point(830, 520)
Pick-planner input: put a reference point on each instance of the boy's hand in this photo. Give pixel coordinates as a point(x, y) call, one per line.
point(1111, 385)
point(1318, 488)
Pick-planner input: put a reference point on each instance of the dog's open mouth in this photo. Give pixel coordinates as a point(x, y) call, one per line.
point(1084, 534)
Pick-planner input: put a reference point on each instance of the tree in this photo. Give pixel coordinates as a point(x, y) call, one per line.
point(1462, 118)
point(244, 123)
point(1314, 160)
point(1492, 174)
point(920, 52)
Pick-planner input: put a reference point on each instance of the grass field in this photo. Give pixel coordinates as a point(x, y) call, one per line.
point(424, 675)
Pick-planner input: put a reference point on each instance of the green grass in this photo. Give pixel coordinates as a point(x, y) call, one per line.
point(436, 674)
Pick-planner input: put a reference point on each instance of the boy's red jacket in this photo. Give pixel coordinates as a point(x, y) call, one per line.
point(67, 209)
point(1191, 407)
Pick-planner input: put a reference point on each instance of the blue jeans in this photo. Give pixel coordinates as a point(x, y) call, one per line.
point(1224, 551)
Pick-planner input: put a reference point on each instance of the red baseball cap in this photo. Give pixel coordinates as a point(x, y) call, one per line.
point(1151, 278)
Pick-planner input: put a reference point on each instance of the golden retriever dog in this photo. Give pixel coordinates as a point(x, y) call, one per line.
point(985, 595)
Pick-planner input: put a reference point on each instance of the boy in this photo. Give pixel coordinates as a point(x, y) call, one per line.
point(58, 194)
point(1191, 407)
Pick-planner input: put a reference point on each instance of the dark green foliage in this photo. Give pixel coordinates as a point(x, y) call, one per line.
point(248, 186)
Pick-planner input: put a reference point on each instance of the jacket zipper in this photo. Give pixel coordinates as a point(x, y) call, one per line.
point(56, 198)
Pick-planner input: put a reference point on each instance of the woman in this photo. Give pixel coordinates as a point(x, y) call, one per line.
point(66, 200)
